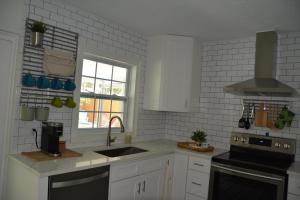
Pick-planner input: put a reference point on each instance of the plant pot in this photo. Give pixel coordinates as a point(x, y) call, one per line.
point(27, 113)
point(41, 113)
point(36, 39)
point(202, 144)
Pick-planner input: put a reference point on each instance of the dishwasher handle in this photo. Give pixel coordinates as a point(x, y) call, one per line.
point(63, 184)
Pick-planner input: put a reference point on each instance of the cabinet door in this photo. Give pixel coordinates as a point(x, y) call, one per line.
point(177, 74)
point(168, 73)
point(179, 176)
point(293, 197)
point(151, 184)
point(125, 189)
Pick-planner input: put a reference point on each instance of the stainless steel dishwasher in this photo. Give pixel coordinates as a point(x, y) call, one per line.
point(90, 184)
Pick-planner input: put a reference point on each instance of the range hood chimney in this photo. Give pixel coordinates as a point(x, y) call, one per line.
point(264, 82)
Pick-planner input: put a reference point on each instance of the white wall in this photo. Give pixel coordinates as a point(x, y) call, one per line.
point(226, 62)
point(11, 15)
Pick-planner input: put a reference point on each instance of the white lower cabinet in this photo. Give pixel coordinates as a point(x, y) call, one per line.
point(150, 179)
point(293, 197)
point(294, 187)
point(151, 185)
point(193, 177)
point(125, 189)
point(179, 177)
point(197, 183)
point(144, 187)
point(193, 197)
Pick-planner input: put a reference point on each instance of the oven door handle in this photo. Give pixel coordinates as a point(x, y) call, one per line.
point(248, 173)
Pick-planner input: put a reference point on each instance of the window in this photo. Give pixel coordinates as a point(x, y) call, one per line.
point(103, 93)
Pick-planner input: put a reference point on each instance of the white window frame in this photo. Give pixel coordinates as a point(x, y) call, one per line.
point(109, 97)
point(91, 137)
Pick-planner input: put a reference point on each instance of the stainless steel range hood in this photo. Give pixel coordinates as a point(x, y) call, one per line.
point(264, 82)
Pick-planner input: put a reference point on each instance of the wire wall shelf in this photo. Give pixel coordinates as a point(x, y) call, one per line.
point(272, 107)
point(54, 38)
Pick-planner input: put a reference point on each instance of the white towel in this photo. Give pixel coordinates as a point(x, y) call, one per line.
point(58, 63)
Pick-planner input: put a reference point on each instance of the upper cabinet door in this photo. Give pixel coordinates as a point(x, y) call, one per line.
point(169, 73)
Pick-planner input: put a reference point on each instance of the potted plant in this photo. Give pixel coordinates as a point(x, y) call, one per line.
point(199, 137)
point(37, 33)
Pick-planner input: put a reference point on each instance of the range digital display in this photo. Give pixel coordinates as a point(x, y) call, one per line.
point(260, 141)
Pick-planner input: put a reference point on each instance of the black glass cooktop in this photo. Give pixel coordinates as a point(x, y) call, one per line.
point(256, 159)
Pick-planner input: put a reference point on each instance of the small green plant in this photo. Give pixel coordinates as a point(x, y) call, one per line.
point(38, 27)
point(199, 136)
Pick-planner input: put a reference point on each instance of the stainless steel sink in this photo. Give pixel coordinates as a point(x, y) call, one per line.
point(121, 151)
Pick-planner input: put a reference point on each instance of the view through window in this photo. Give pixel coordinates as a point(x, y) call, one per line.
point(103, 94)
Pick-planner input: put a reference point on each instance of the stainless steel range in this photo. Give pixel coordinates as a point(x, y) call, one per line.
point(254, 168)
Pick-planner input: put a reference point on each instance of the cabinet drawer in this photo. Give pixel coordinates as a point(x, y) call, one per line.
point(294, 185)
point(122, 171)
point(293, 197)
point(150, 165)
point(193, 197)
point(199, 164)
point(197, 183)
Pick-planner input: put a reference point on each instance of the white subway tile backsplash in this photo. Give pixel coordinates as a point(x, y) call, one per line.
point(217, 113)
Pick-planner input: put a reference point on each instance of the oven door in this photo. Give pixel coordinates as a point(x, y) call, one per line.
point(233, 183)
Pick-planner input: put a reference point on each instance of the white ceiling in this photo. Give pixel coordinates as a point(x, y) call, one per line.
point(206, 19)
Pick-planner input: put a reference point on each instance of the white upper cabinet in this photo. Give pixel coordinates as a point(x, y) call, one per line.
point(169, 73)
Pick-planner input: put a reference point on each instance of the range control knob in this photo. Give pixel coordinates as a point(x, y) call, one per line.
point(277, 145)
point(236, 138)
point(286, 146)
point(243, 139)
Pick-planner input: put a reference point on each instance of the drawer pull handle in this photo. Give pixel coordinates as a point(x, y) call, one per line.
point(139, 189)
point(144, 186)
point(196, 183)
point(201, 165)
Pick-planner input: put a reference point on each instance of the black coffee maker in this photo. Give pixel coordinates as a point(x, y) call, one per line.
point(51, 131)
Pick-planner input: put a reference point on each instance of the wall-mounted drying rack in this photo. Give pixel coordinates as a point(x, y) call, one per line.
point(273, 107)
point(54, 38)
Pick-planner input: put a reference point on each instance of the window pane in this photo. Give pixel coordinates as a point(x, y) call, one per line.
point(118, 89)
point(117, 106)
point(103, 120)
point(96, 116)
point(103, 105)
point(87, 84)
point(102, 87)
point(115, 123)
point(85, 120)
point(120, 74)
point(88, 68)
point(86, 104)
point(104, 71)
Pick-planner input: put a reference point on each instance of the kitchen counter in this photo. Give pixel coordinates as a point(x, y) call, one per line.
point(294, 169)
point(90, 159)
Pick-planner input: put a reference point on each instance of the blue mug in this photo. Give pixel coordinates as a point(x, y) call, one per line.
point(69, 85)
point(28, 80)
point(56, 84)
point(42, 82)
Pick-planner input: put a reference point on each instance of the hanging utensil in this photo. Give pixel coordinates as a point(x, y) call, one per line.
point(242, 120)
point(270, 116)
point(261, 116)
point(252, 115)
point(247, 123)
